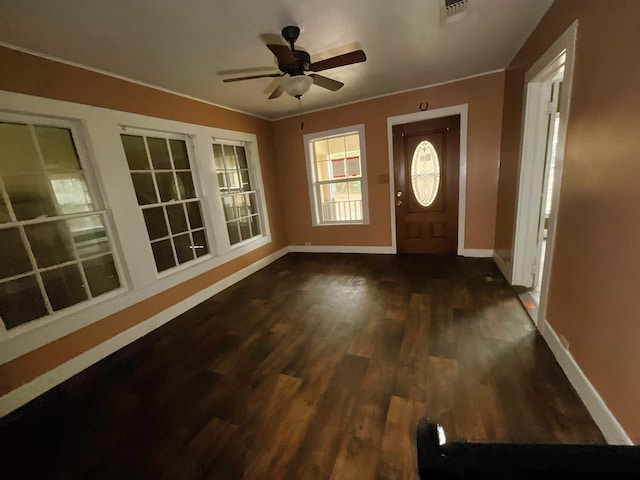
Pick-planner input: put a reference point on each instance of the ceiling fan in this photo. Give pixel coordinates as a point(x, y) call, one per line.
point(295, 63)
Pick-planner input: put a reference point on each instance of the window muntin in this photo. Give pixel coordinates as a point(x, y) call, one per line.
point(239, 198)
point(336, 163)
point(425, 173)
point(163, 181)
point(55, 248)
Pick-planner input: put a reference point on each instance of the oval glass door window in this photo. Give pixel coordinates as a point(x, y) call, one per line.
point(425, 173)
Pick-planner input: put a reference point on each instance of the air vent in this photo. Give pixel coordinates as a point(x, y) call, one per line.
point(454, 10)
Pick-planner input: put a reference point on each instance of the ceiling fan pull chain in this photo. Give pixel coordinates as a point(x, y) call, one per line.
point(300, 112)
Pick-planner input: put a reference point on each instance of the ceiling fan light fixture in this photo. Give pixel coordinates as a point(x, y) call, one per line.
point(297, 85)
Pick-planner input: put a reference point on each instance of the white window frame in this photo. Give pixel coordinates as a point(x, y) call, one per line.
point(88, 170)
point(200, 195)
point(101, 129)
point(255, 177)
point(316, 214)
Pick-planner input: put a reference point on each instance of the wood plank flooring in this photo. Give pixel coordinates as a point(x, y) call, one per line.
point(316, 367)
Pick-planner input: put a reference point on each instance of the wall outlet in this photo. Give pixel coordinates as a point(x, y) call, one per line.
point(307, 244)
point(564, 342)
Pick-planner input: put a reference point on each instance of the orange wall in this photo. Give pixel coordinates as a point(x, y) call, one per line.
point(595, 278)
point(484, 96)
point(32, 75)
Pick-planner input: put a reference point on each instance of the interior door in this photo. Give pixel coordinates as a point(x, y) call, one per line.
point(427, 168)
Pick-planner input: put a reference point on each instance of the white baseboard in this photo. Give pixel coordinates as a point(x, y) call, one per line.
point(502, 266)
point(476, 252)
point(339, 249)
point(27, 392)
point(606, 421)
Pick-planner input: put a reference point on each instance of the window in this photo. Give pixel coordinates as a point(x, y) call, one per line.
point(239, 198)
point(163, 181)
point(425, 173)
point(337, 176)
point(55, 249)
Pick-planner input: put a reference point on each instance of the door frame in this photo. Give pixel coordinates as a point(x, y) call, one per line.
point(463, 111)
point(533, 136)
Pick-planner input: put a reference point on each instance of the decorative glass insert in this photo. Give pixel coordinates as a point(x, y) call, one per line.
point(53, 235)
point(337, 172)
point(163, 181)
point(239, 198)
point(425, 173)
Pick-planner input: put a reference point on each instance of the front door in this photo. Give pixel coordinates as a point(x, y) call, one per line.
point(427, 168)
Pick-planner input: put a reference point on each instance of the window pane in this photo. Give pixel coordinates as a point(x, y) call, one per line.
point(101, 274)
point(50, 243)
point(229, 157)
point(195, 215)
point(323, 170)
point(184, 249)
point(229, 210)
point(233, 182)
point(252, 203)
point(179, 153)
point(64, 287)
point(14, 259)
point(337, 147)
point(18, 152)
point(72, 193)
point(135, 151)
point(218, 156)
point(242, 157)
point(245, 228)
point(222, 183)
point(234, 234)
point(177, 219)
point(156, 223)
point(163, 254)
point(58, 149)
point(185, 184)
point(145, 191)
point(355, 190)
point(353, 167)
point(352, 143)
point(159, 153)
point(246, 183)
point(166, 186)
point(241, 206)
point(200, 243)
point(30, 195)
point(21, 301)
point(89, 235)
point(255, 226)
point(337, 168)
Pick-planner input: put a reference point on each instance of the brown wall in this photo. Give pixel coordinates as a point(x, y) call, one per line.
point(595, 278)
point(32, 75)
point(484, 96)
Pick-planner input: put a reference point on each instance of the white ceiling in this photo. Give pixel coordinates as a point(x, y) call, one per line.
point(183, 45)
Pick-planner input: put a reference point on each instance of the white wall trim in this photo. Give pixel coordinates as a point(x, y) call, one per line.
point(463, 111)
point(27, 392)
point(606, 421)
point(341, 249)
point(502, 266)
point(476, 252)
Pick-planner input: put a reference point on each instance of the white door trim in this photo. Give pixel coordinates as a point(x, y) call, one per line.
point(463, 111)
point(562, 50)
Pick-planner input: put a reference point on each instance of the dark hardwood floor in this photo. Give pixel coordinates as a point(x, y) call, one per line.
point(316, 367)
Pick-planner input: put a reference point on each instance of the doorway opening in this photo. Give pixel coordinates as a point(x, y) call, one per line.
point(547, 90)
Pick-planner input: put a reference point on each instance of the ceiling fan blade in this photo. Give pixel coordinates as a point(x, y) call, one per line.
point(325, 82)
point(356, 56)
point(266, 75)
point(283, 54)
point(277, 92)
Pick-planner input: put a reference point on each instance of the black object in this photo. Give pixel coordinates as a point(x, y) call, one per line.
point(441, 460)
